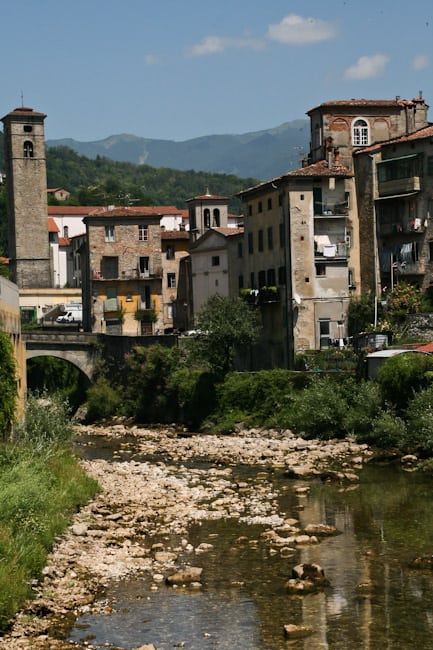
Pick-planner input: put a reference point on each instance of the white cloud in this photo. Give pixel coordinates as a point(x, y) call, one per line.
point(367, 67)
point(217, 44)
point(151, 59)
point(297, 30)
point(420, 62)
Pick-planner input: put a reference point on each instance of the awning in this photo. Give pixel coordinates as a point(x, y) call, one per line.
point(396, 196)
point(391, 160)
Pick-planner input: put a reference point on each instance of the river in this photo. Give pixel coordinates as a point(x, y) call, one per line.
point(375, 599)
point(228, 505)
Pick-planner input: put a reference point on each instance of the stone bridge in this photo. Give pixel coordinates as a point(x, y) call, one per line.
point(83, 349)
point(79, 348)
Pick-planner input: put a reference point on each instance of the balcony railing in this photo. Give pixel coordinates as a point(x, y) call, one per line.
point(403, 227)
point(399, 186)
point(331, 251)
point(261, 296)
point(337, 209)
point(130, 274)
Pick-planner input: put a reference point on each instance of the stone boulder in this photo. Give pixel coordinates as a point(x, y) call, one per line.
point(185, 576)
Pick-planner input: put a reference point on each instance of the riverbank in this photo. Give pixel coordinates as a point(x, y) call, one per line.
point(139, 522)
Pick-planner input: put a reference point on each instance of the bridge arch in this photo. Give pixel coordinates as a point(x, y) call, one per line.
point(77, 358)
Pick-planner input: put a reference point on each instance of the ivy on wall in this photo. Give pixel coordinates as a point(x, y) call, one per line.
point(8, 391)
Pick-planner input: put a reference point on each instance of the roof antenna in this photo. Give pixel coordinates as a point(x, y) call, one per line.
point(22, 99)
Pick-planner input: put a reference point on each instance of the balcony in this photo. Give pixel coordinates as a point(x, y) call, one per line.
point(414, 226)
point(399, 186)
point(326, 249)
point(262, 296)
point(129, 274)
point(338, 209)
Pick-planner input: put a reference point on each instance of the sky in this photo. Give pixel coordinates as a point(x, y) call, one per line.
point(180, 69)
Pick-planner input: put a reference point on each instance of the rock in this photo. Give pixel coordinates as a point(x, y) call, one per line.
point(294, 586)
point(409, 459)
point(321, 530)
point(423, 562)
point(164, 557)
point(311, 573)
point(79, 529)
point(297, 631)
point(185, 576)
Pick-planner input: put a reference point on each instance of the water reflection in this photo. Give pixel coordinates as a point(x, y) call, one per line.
point(375, 600)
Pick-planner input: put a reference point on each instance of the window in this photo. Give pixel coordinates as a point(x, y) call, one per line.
point(28, 128)
point(320, 269)
point(109, 233)
point(430, 165)
point(143, 232)
point(28, 149)
point(65, 231)
point(216, 218)
point(324, 331)
point(110, 267)
point(269, 204)
point(270, 238)
point(170, 252)
point(260, 207)
point(271, 278)
point(262, 279)
point(215, 260)
point(282, 275)
point(206, 215)
point(240, 249)
point(250, 210)
point(282, 232)
point(171, 280)
point(170, 311)
point(145, 302)
point(250, 243)
point(260, 242)
point(192, 222)
point(143, 267)
point(240, 281)
point(360, 133)
point(252, 281)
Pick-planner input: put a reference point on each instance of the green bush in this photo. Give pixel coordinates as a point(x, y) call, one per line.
point(147, 389)
point(103, 401)
point(46, 422)
point(319, 410)
point(388, 431)
point(193, 391)
point(403, 375)
point(7, 386)
point(364, 400)
point(419, 418)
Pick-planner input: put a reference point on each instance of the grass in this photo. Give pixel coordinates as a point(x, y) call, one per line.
point(41, 486)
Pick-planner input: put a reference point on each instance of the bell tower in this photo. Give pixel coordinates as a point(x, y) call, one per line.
point(205, 212)
point(26, 179)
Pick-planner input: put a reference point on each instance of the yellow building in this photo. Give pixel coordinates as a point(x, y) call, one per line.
point(122, 288)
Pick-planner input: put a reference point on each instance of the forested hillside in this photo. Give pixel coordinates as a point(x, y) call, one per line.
point(103, 181)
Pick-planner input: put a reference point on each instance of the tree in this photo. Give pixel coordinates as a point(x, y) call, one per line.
point(226, 325)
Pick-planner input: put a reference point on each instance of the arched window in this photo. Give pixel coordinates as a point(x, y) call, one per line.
point(216, 218)
point(206, 214)
point(360, 133)
point(28, 149)
point(65, 231)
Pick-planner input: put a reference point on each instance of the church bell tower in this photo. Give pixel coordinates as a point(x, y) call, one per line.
point(26, 179)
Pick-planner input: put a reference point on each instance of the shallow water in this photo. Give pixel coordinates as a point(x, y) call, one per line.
point(384, 523)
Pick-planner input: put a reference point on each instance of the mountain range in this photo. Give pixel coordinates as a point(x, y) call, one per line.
point(260, 154)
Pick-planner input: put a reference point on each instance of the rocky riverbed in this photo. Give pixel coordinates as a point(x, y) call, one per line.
point(138, 524)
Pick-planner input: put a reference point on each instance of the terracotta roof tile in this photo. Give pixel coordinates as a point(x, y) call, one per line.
point(321, 168)
point(64, 241)
point(174, 234)
point(426, 132)
point(229, 232)
point(361, 103)
point(52, 226)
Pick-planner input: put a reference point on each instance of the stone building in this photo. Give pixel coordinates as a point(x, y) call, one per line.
point(29, 251)
point(11, 324)
point(174, 248)
point(122, 282)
